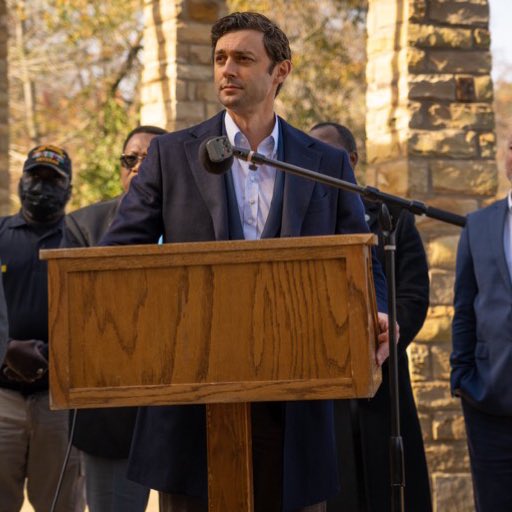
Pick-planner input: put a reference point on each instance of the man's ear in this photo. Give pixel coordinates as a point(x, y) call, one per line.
point(283, 70)
point(353, 157)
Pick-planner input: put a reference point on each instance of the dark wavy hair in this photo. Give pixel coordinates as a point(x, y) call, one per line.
point(275, 40)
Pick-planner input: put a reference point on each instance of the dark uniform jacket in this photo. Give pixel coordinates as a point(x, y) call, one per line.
point(363, 426)
point(26, 285)
point(100, 432)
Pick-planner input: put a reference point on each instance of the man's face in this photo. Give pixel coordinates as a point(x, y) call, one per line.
point(135, 151)
point(508, 158)
point(44, 193)
point(244, 77)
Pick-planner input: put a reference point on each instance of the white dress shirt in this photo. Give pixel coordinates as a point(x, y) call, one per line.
point(253, 189)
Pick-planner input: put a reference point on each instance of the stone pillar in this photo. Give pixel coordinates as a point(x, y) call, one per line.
point(430, 136)
point(4, 115)
point(176, 89)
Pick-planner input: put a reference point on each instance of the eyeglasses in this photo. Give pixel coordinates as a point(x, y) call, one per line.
point(130, 161)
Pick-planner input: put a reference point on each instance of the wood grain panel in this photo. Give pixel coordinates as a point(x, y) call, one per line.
point(212, 322)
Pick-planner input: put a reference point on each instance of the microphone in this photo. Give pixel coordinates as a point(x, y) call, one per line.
point(216, 155)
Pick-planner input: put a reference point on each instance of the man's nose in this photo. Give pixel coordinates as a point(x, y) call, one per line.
point(230, 67)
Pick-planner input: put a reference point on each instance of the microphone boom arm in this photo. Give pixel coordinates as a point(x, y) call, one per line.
point(370, 193)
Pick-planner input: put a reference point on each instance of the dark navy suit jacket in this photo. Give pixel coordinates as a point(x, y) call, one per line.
point(481, 359)
point(174, 196)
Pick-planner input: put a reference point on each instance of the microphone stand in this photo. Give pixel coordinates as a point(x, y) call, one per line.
point(387, 222)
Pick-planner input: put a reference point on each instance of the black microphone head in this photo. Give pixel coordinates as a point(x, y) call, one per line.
point(216, 155)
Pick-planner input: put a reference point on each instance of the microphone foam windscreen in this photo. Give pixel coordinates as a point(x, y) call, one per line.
point(218, 167)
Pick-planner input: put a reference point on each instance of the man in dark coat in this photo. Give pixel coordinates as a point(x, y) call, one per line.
point(363, 426)
point(481, 358)
point(104, 435)
point(293, 442)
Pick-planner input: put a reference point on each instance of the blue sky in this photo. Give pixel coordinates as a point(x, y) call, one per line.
point(501, 37)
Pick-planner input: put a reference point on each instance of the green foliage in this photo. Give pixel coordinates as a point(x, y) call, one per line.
point(74, 75)
point(98, 157)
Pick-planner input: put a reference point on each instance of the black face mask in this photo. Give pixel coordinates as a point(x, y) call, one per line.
point(43, 200)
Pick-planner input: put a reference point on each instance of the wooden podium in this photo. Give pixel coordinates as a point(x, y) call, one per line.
point(220, 323)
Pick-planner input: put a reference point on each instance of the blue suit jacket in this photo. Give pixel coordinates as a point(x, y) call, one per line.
point(174, 195)
point(482, 326)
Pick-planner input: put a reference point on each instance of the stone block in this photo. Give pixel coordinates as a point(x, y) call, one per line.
point(156, 13)
point(441, 287)
point(156, 92)
point(417, 10)
point(461, 116)
point(482, 38)
point(417, 61)
point(434, 395)
point(157, 114)
point(191, 91)
point(200, 54)
point(487, 142)
point(456, 61)
point(438, 324)
point(400, 176)
point(381, 68)
point(381, 14)
point(203, 11)
point(453, 143)
point(193, 111)
point(441, 361)
point(483, 88)
point(471, 177)
point(194, 72)
point(442, 251)
point(452, 492)
point(447, 457)
point(429, 36)
point(448, 426)
point(384, 147)
point(193, 33)
point(419, 362)
point(212, 109)
point(430, 86)
point(206, 92)
point(457, 13)
point(426, 426)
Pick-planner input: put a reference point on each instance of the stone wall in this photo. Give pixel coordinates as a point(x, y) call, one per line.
point(430, 135)
point(4, 114)
point(177, 86)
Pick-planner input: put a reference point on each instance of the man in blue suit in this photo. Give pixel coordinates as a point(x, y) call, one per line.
point(293, 443)
point(481, 359)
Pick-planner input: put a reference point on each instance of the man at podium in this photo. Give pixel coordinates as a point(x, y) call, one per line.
point(294, 457)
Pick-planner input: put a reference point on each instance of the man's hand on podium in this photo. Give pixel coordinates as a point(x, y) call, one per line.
point(383, 349)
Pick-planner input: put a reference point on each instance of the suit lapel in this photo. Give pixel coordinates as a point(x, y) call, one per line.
point(496, 230)
point(297, 190)
point(211, 187)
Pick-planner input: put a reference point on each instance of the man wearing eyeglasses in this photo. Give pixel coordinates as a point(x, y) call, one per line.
point(104, 435)
point(85, 227)
point(33, 439)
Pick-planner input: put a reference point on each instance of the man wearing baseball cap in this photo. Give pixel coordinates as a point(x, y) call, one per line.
point(33, 439)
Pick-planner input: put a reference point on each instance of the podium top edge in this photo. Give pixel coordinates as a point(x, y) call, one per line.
point(303, 242)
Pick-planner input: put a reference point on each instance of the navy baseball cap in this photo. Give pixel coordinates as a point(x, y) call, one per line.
point(49, 156)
